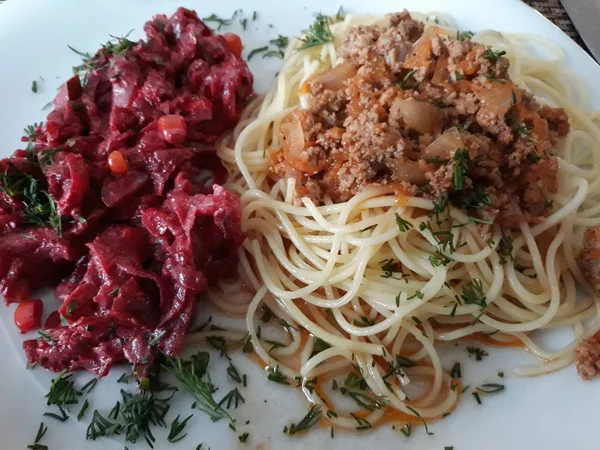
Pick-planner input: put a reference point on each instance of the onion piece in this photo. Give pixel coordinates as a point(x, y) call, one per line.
point(441, 76)
point(420, 116)
point(408, 171)
point(333, 79)
point(292, 138)
point(294, 146)
point(497, 98)
point(443, 145)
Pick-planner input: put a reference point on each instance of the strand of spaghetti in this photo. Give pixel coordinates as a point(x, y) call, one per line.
point(536, 257)
point(303, 321)
point(252, 127)
point(348, 274)
point(258, 348)
point(554, 301)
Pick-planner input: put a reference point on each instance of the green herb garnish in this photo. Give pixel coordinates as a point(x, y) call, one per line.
point(89, 386)
point(102, 427)
point(273, 374)
point(364, 400)
point(505, 248)
point(281, 42)
point(83, 410)
point(319, 33)
point(440, 205)
point(364, 322)
point(354, 381)
point(140, 412)
point(39, 208)
point(455, 372)
point(219, 21)
point(388, 269)
point(117, 46)
point(319, 345)
point(439, 259)
point(494, 79)
point(490, 388)
point(406, 430)
point(464, 35)
point(256, 51)
point(416, 413)
point(274, 54)
point(363, 424)
point(533, 157)
point(492, 55)
point(40, 434)
point(191, 374)
point(478, 353)
point(232, 398)
point(461, 157)
point(402, 84)
point(62, 391)
point(156, 339)
point(312, 418)
point(473, 293)
point(403, 225)
point(476, 199)
point(176, 429)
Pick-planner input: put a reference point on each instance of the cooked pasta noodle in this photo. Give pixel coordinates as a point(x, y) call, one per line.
point(319, 268)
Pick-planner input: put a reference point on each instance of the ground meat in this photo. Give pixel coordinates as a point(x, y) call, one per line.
point(441, 179)
point(359, 46)
point(589, 260)
point(465, 103)
point(374, 120)
point(408, 28)
point(558, 121)
point(395, 41)
point(587, 358)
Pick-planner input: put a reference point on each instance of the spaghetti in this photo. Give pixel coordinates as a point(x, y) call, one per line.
point(329, 272)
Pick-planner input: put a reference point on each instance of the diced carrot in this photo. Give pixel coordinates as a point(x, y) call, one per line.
point(422, 50)
point(117, 163)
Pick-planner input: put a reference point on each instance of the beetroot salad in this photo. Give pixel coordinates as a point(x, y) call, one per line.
point(116, 201)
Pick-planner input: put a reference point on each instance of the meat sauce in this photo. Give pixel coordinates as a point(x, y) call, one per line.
point(434, 115)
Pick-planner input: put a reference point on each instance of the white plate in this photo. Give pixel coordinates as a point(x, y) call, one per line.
point(557, 411)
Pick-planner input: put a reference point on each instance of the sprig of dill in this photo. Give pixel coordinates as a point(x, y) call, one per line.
point(191, 374)
point(319, 33)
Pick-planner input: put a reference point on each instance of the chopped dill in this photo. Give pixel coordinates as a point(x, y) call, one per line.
point(461, 156)
point(312, 418)
point(473, 293)
point(402, 84)
point(505, 248)
point(492, 55)
point(232, 398)
point(477, 353)
point(403, 225)
point(318, 34)
point(257, 51)
point(275, 375)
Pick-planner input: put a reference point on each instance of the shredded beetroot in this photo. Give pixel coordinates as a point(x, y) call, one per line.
point(130, 252)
